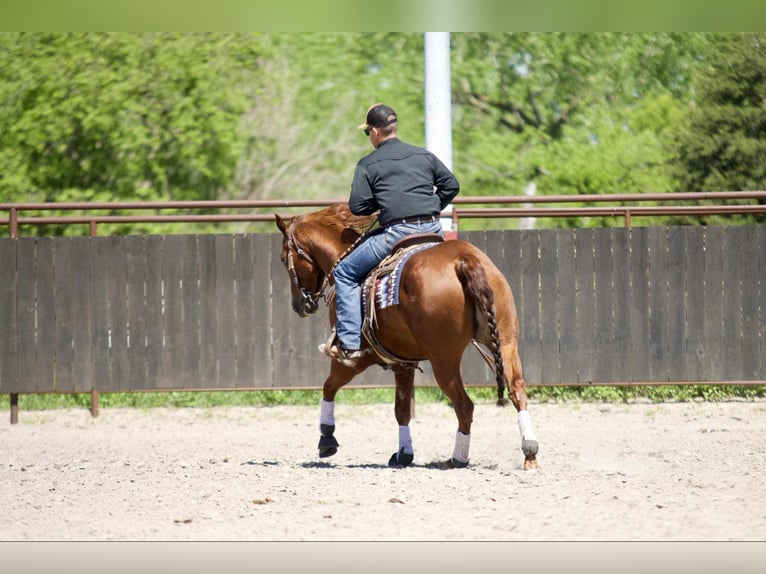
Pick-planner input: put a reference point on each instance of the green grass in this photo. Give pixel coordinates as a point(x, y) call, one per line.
point(201, 399)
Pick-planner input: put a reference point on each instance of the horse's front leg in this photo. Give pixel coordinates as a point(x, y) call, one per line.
point(403, 411)
point(338, 377)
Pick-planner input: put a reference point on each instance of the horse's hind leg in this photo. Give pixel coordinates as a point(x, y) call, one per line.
point(403, 411)
point(518, 395)
point(447, 375)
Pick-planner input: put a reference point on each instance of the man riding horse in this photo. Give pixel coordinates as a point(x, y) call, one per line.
point(443, 298)
point(409, 186)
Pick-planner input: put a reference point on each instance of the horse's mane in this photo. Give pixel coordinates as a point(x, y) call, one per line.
point(339, 217)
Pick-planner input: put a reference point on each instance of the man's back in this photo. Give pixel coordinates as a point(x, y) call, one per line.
point(399, 179)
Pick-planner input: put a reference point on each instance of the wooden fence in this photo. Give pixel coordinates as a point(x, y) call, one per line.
point(596, 306)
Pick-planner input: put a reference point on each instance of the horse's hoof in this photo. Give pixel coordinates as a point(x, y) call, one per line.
point(401, 459)
point(453, 463)
point(328, 446)
point(529, 447)
point(531, 464)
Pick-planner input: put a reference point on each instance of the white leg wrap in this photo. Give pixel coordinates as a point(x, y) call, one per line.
point(462, 446)
point(327, 413)
point(525, 426)
point(405, 439)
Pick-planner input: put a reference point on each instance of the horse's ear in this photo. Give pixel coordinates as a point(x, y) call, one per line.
point(281, 224)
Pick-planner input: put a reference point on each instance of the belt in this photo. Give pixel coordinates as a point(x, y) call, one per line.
point(413, 219)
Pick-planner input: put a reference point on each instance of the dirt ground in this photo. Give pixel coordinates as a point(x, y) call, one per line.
point(624, 472)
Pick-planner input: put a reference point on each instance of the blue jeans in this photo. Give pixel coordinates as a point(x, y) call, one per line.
point(352, 270)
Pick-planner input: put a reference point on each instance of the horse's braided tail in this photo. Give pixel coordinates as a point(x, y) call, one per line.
point(471, 273)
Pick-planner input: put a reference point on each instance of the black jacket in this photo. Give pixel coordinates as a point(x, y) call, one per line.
point(401, 180)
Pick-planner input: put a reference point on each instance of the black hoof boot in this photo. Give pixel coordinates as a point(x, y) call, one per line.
point(400, 459)
point(328, 446)
point(529, 447)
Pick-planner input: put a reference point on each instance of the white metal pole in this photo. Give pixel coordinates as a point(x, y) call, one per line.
point(438, 104)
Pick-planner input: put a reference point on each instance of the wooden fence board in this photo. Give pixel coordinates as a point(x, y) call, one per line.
point(82, 341)
point(190, 304)
point(225, 305)
point(639, 315)
point(585, 304)
point(156, 312)
point(8, 317)
point(676, 310)
point(282, 319)
point(750, 326)
point(550, 371)
point(100, 257)
point(568, 346)
point(529, 340)
point(694, 346)
point(761, 300)
point(732, 303)
point(117, 281)
point(173, 318)
point(714, 294)
point(136, 314)
point(64, 317)
point(46, 314)
point(36, 337)
point(622, 329)
point(209, 327)
point(26, 342)
point(265, 252)
point(658, 304)
point(604, 306)
point(245, 311)
point(511, 267)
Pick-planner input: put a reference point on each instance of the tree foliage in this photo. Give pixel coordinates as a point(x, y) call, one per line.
point(95, 116)
point(723, 145)
point(531, 98)
point(121, 116)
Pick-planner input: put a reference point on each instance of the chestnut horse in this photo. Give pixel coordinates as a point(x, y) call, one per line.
point(449, 295)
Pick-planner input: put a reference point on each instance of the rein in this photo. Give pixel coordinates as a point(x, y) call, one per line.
point(313, 296)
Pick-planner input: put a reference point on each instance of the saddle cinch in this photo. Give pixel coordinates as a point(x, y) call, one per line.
point(380, 289)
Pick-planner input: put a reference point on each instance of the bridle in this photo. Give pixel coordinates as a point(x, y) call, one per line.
point(309, 299)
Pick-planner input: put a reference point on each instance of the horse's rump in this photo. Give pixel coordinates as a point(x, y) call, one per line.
point(445, 293)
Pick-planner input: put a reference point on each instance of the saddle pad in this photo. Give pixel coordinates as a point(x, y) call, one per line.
point(387, 286)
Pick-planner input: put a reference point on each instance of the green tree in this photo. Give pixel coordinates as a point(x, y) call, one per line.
point(724, 144)
point(301, 127)
point(569, 113)
point(98, 116)
point(266, 116)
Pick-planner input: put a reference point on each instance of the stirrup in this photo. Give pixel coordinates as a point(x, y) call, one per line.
point(345, 357)
point(327, 345)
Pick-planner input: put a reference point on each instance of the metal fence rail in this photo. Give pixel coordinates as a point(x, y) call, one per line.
point(630, 206)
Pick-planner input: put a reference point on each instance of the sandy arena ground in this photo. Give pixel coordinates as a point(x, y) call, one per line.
point(622, 472)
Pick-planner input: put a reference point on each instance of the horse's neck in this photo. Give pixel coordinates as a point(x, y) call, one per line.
point(329, 250)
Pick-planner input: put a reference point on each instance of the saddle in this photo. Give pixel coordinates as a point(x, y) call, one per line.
point(380, 289)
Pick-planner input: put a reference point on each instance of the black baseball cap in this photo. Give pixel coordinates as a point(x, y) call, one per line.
point(379, 116)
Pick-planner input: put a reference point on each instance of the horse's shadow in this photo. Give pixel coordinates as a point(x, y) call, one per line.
point(433, 465)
